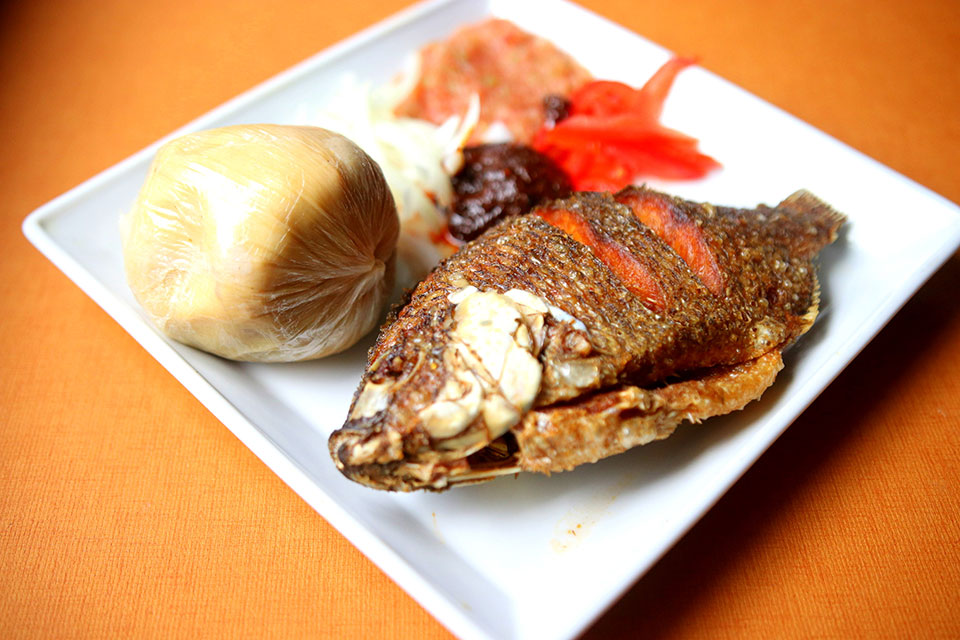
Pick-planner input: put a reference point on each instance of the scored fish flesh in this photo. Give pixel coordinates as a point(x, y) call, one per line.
point(594, 324)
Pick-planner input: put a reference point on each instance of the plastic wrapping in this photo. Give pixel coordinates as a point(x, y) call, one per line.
point(262, 242)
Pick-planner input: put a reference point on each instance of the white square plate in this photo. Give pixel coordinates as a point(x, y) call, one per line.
point(536, 557)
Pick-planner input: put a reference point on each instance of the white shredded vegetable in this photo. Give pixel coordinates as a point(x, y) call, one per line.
point(417, 157)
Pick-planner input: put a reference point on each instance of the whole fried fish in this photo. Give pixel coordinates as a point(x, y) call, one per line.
point(595, 324)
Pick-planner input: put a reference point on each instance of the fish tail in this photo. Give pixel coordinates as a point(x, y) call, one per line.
point(805, 204)
point(822, 221)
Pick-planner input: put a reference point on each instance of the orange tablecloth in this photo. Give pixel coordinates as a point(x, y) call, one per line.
point(127, 510)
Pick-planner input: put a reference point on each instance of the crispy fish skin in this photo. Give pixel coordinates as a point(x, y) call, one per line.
point(560, 438)
point(733, 288)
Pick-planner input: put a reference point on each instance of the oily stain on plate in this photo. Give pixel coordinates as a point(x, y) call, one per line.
point(575, 526)
point(436, 529)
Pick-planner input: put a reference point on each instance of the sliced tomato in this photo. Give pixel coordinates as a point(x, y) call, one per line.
point(657, 88)
point(613, 136)
point(604, 98)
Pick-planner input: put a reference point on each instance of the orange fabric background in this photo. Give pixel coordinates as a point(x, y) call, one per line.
point(127, 510)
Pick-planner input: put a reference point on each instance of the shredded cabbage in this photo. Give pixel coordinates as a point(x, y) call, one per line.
point(417, 157)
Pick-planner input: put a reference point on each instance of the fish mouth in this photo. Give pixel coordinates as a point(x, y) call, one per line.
point(374, 461)
point(499, 458)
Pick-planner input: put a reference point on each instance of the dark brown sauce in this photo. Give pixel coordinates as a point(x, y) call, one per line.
point(500, 180)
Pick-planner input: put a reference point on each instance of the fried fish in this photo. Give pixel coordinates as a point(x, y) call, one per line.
point(592, 325)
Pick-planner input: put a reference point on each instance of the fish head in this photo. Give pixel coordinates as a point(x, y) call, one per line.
point(436, 410)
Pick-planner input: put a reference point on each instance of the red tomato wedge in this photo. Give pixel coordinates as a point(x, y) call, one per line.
point(613, 136)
